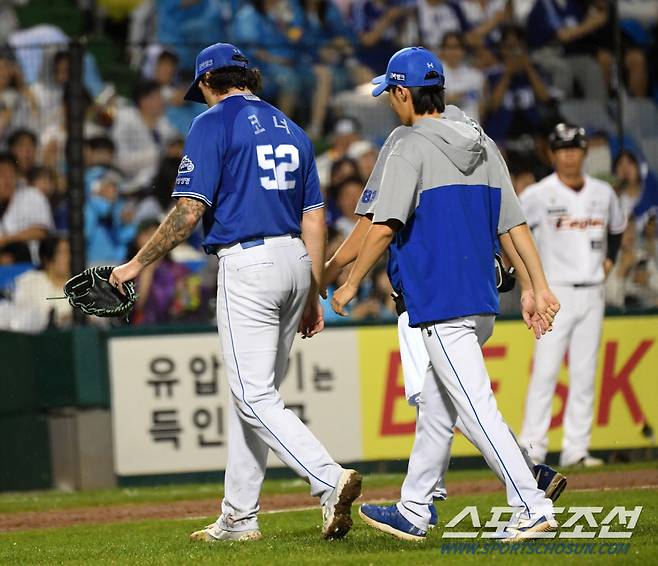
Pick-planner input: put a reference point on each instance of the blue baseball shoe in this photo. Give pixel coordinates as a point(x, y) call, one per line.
point(434, 516)
point(550, 481)
point(390, 520)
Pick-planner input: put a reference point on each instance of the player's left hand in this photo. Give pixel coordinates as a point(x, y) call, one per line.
point(607, 266)
point(342, 296)
point(547, 306)
point(126, 272)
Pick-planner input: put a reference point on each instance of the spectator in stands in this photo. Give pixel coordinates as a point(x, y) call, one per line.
point(32, 313)
point(522, 178)
point(53, 138)
point(108, 221)
point(464, 83)
point(346, 196)
point(484, 21)
point(331, 43)
point(637, 185)
point(46, 180)
point(25, 216)
point(165, 72)
point(437, 18)
point(598, 161)
point(638, 19)
point(570, 35)
point(517, 90)
point(141, 135)
point(17, 106)
point(48, 91)
point(377, 25)
point(99, 150)
point(364, 154)
point(270, 32)
point(633, 282)
point(642, 285)
point(346, 130)
point(188, 25)
point(23, 148)
point(167, 290)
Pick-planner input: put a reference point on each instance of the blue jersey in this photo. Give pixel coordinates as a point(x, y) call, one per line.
point(253, 167)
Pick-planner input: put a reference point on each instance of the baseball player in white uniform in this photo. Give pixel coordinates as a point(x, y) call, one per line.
point(444, 196)
point(250, 172)
point(413, 354)
point(578, 223)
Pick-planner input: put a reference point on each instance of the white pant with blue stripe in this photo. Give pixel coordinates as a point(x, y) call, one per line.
point(458, 386)
point(261, 293)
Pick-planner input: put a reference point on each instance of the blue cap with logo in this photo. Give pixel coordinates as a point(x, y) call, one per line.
point(214, 57)
point(408, 67)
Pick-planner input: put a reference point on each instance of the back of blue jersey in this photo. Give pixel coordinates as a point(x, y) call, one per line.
point(253, 167)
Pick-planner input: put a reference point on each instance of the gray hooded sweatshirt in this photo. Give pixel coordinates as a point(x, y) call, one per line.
point(445, 181)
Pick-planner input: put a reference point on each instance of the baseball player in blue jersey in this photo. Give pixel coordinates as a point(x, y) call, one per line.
point(249, 173)
point(443, 198)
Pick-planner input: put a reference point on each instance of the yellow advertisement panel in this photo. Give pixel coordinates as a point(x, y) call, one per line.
point(626, 387)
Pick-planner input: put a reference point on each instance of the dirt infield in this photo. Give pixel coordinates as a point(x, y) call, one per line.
point(207, 508)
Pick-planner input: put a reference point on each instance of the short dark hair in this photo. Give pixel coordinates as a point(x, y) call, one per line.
point(224, 79)
point(8, 159)
point(41, 171)
point(452, 35)
point(48, 247)
point(100, 142)
point(166, 54)
point(143, 89)
point(338, 187)
point(514, 31)
point(20, 133)
point(428, 99)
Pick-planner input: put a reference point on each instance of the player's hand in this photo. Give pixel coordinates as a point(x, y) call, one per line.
point(126, 272)
point(529, 312)
point(607, 266)
point(312, 321)
point(547, 306)
point(342, 297)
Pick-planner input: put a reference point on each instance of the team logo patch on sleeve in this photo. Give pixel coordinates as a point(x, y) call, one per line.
point(368, 196)
point(186, 165)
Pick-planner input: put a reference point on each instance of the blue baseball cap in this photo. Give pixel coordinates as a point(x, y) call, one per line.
point(408, 67)
point(214, 57)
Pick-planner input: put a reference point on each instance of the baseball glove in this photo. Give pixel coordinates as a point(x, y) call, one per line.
point(91, 292)
point(505, 279)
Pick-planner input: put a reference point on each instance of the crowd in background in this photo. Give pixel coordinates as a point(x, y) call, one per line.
point(516, 66)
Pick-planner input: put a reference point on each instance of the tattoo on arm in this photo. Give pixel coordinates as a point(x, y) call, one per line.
point(178, 225)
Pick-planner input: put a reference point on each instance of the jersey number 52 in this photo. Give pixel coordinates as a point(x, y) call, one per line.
point(277, 162)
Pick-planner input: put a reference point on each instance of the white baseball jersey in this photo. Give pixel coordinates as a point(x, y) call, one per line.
point(571, 227)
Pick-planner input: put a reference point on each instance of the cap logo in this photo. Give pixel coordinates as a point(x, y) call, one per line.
point(430, 65)
point(397, 76)
point(205, 64)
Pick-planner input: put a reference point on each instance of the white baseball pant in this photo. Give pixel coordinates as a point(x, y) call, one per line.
point(261, 294)
point(459, 387)
point(578, 327)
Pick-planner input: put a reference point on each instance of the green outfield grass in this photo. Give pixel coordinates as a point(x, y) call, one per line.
point(294, 537)
point(42, 500)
